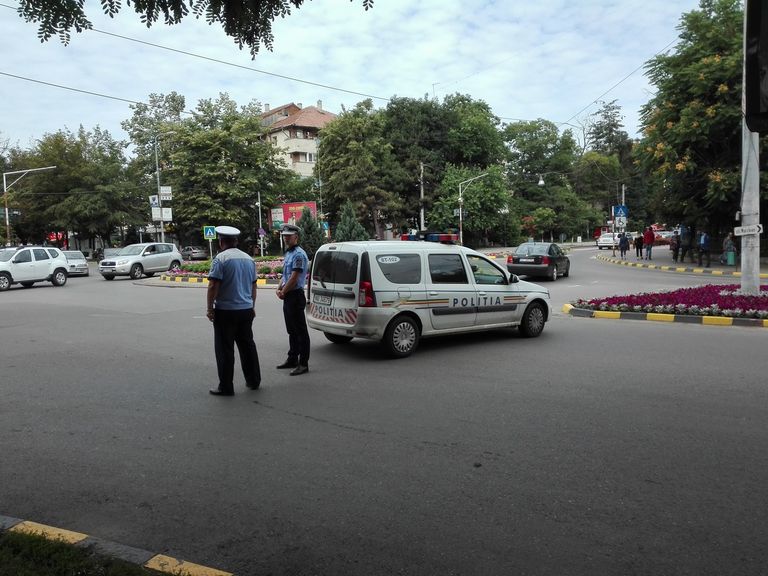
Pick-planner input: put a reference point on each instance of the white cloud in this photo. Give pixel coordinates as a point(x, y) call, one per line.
point(547, 59)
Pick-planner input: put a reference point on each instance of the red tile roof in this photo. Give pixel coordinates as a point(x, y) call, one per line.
point(309, 117)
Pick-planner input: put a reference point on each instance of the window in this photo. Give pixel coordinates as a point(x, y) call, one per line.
point(299, 133)
point(447, 269)
point(400, 268)
point(55, 253)
point(485, 272)
point(311, 157)
point(41, 254)
point(23, 256)
point(335, 267)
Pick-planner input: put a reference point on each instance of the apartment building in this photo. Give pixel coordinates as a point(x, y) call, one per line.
point(295, 130)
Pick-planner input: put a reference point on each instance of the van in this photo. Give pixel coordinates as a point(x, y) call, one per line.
point(397, 292)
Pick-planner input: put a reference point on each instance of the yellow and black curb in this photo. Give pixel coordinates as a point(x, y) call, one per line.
point(658, 317)
point(159, 562)
point(692, 270)
point(204, 280)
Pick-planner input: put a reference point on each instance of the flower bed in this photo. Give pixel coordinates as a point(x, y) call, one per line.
point(709, 300)
point(267, 267)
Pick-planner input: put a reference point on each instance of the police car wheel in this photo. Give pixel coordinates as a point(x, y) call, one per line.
point(533, 320)
point(401, 337)
point(337, 339)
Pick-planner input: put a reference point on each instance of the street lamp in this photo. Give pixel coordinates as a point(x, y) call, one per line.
point(461, 205)
point(5, 194)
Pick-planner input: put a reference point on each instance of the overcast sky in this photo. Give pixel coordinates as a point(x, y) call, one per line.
point(552, 59)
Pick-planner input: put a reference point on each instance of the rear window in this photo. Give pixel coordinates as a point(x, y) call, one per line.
point(447, 269)
point(335, 267)
point(532, 250)
point(400, 268)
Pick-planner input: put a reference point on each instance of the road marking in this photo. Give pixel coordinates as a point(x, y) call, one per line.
point(49, 532)
point(171, 565)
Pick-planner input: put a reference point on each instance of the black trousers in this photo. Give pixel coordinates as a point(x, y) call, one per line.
point(232, 327)
point(294, 304)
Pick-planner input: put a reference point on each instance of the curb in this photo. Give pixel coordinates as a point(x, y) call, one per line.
point(710, 271)
point(144, 558)
point(657, 317)
point(204, 280)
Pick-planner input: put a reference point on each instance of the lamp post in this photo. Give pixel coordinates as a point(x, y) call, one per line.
point(461, 205)
point(5, 194)
point(261, 238)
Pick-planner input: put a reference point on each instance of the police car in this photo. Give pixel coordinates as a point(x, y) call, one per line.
point(397, 292)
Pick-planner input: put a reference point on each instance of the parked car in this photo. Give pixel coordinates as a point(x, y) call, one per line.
point(608, 240)
point(137, 260)
point(77, 263)
point(194, 253)
point(26, 265)
point(543, 259)
point(397, 292)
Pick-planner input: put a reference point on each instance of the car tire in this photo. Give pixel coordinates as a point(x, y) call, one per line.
point(533, 321)
point(136, 271)
point(553, 274)
point(59, 277)
point(108, 277)
point(27, 284)
point(401, 337)
point(337, 339)
point(174, 264)
point(567, 271)
point(5, 281)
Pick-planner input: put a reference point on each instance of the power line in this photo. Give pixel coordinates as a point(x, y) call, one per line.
point(70, 88)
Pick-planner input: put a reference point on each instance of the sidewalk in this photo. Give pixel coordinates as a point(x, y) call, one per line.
point(662, 260)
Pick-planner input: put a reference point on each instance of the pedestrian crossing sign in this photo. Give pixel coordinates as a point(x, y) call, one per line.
point(620, 211)
point(209, 232)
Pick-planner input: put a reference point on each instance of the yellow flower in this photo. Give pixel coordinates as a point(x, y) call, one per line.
point(722, 88)
point(680, 166)
point(670, 124)
point(701, 75)
point(715, 176)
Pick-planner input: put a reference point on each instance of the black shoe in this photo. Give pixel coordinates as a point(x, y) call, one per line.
point(220, 392)
point(288, 364)
point(299, 370)
point(253, 386)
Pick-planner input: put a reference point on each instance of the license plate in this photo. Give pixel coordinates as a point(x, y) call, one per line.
point(322, 299)
point(526, 260)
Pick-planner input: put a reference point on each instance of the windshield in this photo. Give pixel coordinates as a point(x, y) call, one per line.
point(7, 254)
point(74, 255)
point(532, 249)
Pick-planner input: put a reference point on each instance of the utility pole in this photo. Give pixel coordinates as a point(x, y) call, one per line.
point(422, 226)
point(159, 195)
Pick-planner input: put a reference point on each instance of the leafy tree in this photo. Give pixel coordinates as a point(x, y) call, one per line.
point(545, 219)
point(249, 23)
point(691, 143)
point(349, 228)
point(473, 137)
point(311, 236)
point(605, 135)
point(357, 165)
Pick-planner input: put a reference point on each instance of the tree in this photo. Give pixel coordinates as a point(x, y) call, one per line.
point(248, 22)
point(605, 135)
point(311, 236)
point(691, 143)
point(544, 219)
point(349, 228)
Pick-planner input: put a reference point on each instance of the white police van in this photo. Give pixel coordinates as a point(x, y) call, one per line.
point(399, 291)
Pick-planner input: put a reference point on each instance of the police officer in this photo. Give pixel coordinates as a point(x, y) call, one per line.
point(231, 297)
point(291, 292)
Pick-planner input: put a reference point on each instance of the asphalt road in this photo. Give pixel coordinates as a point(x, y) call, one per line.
point(602, 447)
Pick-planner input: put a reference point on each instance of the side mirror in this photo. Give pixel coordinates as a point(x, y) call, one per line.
point(513, 279)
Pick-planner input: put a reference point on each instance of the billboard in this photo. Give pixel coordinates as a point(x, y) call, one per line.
point(291, 212)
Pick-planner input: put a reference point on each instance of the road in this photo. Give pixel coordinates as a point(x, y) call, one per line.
point(602, 447)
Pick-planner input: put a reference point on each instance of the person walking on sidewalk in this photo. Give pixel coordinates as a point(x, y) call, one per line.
point(648, 239)
point(231, 297)
point(291, 292)
point(704, 247)
point(728, 246)
point(686, 242)
point(639, 246)
point(674, 245)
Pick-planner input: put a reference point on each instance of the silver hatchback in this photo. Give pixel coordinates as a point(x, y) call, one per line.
point(137, 260)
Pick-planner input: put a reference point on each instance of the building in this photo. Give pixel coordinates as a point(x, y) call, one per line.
point(295, 130)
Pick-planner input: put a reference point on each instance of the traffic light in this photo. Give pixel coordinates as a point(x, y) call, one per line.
point(756, 66)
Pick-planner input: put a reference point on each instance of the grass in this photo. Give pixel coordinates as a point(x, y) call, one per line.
point(709, 300)
point(30, 555)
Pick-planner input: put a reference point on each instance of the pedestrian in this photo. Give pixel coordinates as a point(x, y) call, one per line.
point(686, 242)
point(639, 246)
point(728, 246)
point(291, 292)
point(648, 239)
point(703, 246)
point(674, 245)
point(623, 245)
point(231, 299)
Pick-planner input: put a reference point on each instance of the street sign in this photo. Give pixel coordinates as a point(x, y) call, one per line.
point(747, 230)
point(262, 232)
point(209, 232)
point(620, 210)
point(621, 221)
point(153, 202)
